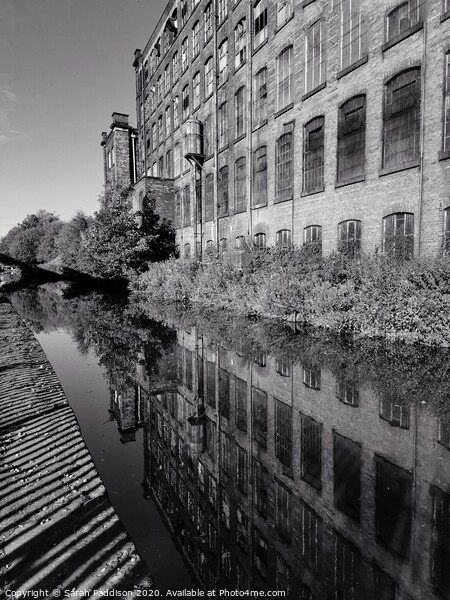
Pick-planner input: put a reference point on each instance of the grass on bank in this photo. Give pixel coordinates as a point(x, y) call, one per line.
point(374, 296)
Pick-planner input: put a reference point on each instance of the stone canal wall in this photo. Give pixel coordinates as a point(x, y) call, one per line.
point(58, 530)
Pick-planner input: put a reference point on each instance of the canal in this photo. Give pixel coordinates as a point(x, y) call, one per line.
point(249, 456)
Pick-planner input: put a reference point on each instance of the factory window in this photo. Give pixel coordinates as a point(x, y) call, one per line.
point(208, 22)
point(166, 80)
point(260, 176)
point(154, 136)
point(185, 100)
point(259, 417)
point(284, 11)
point(184, 11)
point(284, 237)
point(209, 77)
point(349, 242)
point(447, 231)
point(401, 131)
point(283, 433)
point(259, 239)
point(159, 89)
point(187, 251)
point(240, 396)
point(353, 34)
point(223, 244)
point(285, 78)
point(241, 475)
point(176, 112)
point(347, 391)
point(208, 136)
point(311, 377)
point(239, 43)
point(160, 129)
point(239, 111)
point(347, 476)
point(223, 125)
point(398, 235)
point(312, 237)
point(196, 90)
point(347, 568)
point(446, 145)
point(284, 168)
point(311, 541)
point(261, 484)
point(351, 139)
point(186, 206)
point(313, 155)
point(223, 61)
point(260, 97)
point(168, 121)
point(184, 54)
point(155, 169)
point(311, 452)
point(196, 39)
point(260, 22)
point(394, 412)
point(175, 67)
point(315, 59)
point(240, 183)
point(177, 210)
point(161, 166)
point(239, 242)
point(402, 18)
point(169, 164)
point(222, 10)
point(440, 536)
point(283, 512)
point(222, 192)
point(209, 197)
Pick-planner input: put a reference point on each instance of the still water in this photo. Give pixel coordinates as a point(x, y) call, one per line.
point(246, 456)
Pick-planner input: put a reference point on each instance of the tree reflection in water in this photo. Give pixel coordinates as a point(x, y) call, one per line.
point(279, 460)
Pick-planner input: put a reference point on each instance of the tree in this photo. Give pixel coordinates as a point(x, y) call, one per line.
point(69, 241)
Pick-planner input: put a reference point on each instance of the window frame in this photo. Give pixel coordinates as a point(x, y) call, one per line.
point(349, 146)
point(311, 127)
point(349, 237)
point(285, 78)
point(406, 238)
point(260, 96)
point(284, 167)
point(315, 63)
point(240, 178)
point(260, 176)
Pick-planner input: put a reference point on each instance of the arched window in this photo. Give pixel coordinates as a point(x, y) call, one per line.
point(398, 235)
point(166, 80)
point(209, 197)
point(284, 168)
point(240, 44)
point(239, 111)
point(184, 54)
point(240, 175)
point(260, 96)
point(223, 125)
point(446, 144)
point(209, 77)
point(223, 61)
point(223, 243)
point(208, 22)
point(196, 38)
point(285, 92)
point(168, 121)
point(175, 67)
point(313, 155)
point(196, 90)
point(187, 251)
point(176, 112)
point(177, 159)
point(284, 237)
point(260, 176)
point(401, 131)
point(402, 18)
point(239, 242)
point(349, 242)
point(222, 192)
point(177, 210)
point(351, 139)
point(209, 246)
point(314, 57)
point(185, 100)
point(260, 240)
point(312, 237)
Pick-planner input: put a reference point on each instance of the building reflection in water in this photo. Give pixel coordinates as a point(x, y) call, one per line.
point(272, 475)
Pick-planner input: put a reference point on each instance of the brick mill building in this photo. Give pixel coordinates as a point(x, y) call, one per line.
point(293, 122)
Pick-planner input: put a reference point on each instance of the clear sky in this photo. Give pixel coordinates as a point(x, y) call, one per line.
point(65, 66)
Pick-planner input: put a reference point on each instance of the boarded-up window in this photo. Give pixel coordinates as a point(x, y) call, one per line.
point(209, 197)
point(311, 452)
point(284, 167)
point(398, 235)
point(351, 139)
point(347, 476)
point(401, 132)
point(260, 176)
point(313, 155)
point(240, 183)
point(222, 192)
point(393, 507)
point(349, 242)
point(260, 417)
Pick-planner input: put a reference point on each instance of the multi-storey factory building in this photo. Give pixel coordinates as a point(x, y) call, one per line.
point(289, 121)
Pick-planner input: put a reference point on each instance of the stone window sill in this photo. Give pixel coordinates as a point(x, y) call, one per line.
point(259, 125)
point(350, 68)
point(283, 110)
point(397, 168)
point(445, 16)
point(306, 3)
point(239, 138)
point(402, 37)
point(261, 205)
point(239, 67)
point(280, 27)
point(314, 91)
point(279, 200)
point(444, 155)
point(238, 211)
point(223, 148)
point(262, 44)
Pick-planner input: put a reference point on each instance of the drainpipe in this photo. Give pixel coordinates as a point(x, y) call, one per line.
point(422, 136)
point(214, 124)
point(250, 120)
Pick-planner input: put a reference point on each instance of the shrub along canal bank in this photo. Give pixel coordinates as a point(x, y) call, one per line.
point(371, 296)
point(58, 529)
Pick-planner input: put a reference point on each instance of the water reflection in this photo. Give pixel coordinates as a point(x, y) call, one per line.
point(314, 468)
